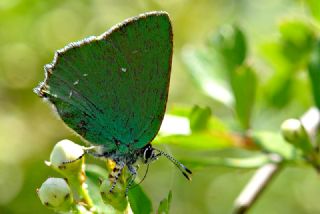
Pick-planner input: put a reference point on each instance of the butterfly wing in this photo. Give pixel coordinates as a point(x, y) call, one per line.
point(113, 88)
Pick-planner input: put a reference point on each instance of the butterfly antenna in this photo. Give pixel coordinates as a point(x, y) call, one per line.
point(185, 171)
point(145, 175)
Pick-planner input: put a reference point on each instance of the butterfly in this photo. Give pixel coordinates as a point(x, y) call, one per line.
point(112, 90)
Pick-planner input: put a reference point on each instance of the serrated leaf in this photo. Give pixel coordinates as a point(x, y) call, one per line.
point(164, 205)
point(139, 201)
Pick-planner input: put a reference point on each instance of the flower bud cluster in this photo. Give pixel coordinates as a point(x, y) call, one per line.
point(60, 194)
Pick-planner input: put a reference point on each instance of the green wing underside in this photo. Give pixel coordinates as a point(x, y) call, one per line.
point(113, 89)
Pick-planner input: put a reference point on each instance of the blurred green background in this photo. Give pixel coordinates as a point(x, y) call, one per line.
point(30, 32)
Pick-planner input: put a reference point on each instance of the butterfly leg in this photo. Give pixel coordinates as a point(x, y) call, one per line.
point(133, 172)
point(74, 160)
point(114, 175)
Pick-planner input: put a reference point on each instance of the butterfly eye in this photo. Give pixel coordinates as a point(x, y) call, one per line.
point(147, 154)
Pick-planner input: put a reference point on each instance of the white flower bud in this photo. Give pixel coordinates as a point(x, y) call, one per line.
point(66, 158)
point(65, 151)
point(292, 130)
point(55, 193)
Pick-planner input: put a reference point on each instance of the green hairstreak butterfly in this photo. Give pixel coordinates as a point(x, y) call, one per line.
point(112, 89)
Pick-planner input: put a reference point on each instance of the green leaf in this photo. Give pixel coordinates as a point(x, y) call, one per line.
point(94, 173)
point(175, 131)
point(314, 74)
point(207, 72)
point(244, 84)
point(314, 7)
point(216, 124)
point(180, 110)
point(199, 118)
point(252, 162)
point(288, 55)
point(278, 88)
point(213, 122)
point(209, 140)
point(272, 53)
point(294, 132)
point(274, 143)
point(139, 201)
point(297, 38)
point(164, 206)
point(180, 125)
point(231, 44)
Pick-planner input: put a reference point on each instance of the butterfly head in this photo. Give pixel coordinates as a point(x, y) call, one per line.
point(149, 154)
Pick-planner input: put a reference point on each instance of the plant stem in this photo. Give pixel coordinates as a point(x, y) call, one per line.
point(77, 181)
point(257, 185)
point(85, 194)
point(265, 174)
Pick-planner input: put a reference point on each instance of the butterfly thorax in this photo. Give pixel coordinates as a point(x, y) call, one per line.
point(128, 156)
